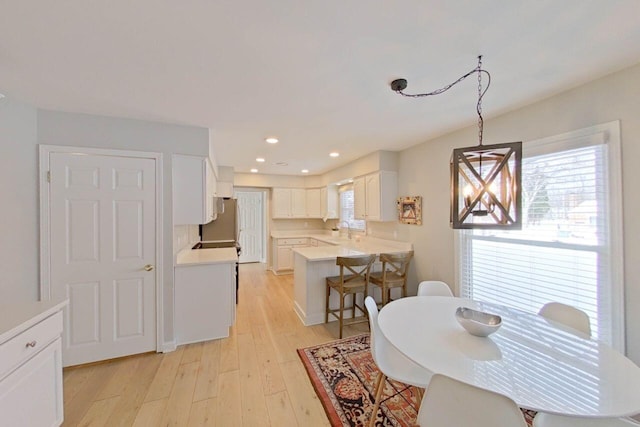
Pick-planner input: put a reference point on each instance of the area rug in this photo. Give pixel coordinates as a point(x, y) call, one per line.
point(343, 375)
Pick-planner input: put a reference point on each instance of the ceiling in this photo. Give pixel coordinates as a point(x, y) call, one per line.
point(314, 74)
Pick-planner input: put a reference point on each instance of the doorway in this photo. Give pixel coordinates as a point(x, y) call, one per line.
point(99, 216)
point(251, 214)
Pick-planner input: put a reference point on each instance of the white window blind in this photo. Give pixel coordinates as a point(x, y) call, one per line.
point(566, 249)
point(347, 209)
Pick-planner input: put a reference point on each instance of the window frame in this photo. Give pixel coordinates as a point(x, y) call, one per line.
point(343, 189)
point(609, 134)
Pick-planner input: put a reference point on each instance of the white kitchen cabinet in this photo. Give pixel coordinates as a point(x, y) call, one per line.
point(204, 301)
point(314, 203)
point(329, 201)
point(281, 203)
point(224, 189)
point(194, 190)
point(289, 203)
point(359, 196)
point(283, 253)
point(298, 203)
point(375, 196)
point(31, 366)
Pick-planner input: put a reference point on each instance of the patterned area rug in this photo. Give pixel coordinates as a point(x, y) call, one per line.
point(343, 374)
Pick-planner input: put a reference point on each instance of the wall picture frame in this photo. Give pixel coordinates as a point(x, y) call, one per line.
point(410, 210)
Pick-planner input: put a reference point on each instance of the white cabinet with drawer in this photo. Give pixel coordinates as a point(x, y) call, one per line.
point(283, 253)
point(31, 364)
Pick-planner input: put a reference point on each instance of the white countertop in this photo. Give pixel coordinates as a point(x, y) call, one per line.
point(353, 247)
point(20, 316)
point(206, 256)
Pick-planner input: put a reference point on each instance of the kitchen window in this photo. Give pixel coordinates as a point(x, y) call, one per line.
point(347, 209)
point(570, 247)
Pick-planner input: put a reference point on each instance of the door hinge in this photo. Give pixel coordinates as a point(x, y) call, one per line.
point(48, 176)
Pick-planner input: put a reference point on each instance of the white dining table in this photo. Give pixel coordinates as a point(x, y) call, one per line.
point(539, 364)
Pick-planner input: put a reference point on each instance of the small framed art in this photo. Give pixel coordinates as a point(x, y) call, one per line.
point(410, 210)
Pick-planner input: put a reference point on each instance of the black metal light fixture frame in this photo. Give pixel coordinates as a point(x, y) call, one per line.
point(486, 190)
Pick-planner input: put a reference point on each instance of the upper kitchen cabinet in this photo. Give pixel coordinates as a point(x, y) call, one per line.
point(194, 190)
point(224, 189)
point(314, 203)
point(289, 203)
point(224, 186)
point(329, 201)
point(375, 196)
point(305, 203)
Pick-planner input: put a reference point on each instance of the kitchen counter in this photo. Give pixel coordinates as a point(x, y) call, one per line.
point(20, 316)
point(353, 247)
point(313, 264)
point(206, 256)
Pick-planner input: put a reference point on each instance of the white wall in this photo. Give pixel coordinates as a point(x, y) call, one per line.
point(424, 170)
point(22, 128)
point(19, 220)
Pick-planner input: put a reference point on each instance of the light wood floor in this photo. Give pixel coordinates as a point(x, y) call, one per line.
point(253, 378)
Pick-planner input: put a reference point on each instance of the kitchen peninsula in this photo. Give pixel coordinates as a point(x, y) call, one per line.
point(312, 264)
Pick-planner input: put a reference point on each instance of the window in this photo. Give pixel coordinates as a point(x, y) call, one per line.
point(347, 208)
point(569, 248)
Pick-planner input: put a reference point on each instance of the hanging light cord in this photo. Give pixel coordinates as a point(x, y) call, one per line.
point(399, 85)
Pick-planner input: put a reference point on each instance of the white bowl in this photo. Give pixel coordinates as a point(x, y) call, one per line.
point(478, 323)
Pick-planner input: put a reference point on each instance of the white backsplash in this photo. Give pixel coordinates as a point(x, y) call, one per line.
point(184, 236)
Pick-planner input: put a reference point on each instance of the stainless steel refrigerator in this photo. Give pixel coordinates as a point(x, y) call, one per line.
point(225, 226)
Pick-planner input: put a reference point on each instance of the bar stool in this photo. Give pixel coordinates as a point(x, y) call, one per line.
point(352, 283)
point(393, 274)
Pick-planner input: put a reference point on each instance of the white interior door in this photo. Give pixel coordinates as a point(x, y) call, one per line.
point(102, 250)
point(251, 217)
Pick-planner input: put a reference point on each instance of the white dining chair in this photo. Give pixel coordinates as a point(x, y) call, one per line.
point(434, 288)
point(449, 402)
point(578, 320)
point(391, 363)
point(547, 420)
point(567, 315)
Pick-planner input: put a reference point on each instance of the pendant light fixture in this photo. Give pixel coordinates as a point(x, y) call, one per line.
point(486, 189)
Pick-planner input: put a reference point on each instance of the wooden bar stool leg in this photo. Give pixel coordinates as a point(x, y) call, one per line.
point(341, 312)
point(326, 309)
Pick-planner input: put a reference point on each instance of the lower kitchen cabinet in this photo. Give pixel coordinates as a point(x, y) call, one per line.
point(283, 253)
point(31, 366)
point(205, 303)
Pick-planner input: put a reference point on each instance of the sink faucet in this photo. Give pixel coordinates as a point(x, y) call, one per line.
point(348, 228)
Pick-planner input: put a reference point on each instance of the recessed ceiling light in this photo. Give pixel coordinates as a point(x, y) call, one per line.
point(271, 140)
point(334, 154)
point(260, 159)
point(305, 171)
point(254, 170)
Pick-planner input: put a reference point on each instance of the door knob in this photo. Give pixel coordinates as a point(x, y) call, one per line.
point(148, 267)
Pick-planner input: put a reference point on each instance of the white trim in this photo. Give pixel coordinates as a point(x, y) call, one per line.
point(616, 231)
point(44, 151)
point(167, 347)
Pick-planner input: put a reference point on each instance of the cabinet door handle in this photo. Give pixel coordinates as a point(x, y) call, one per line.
point(31, 344)
point(148, 267)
